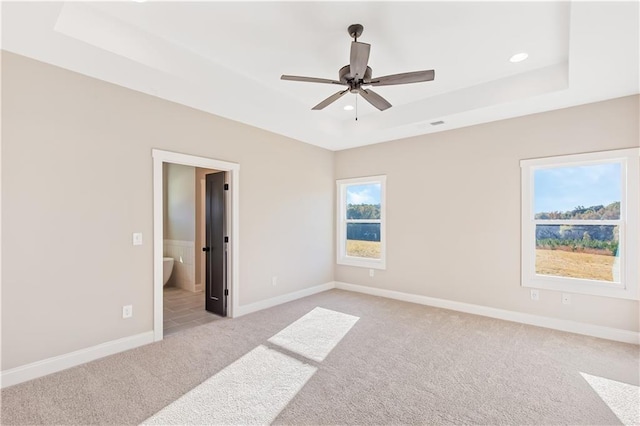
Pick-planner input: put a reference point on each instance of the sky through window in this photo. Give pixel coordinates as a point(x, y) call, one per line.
point(565, 188)
point(363, 194)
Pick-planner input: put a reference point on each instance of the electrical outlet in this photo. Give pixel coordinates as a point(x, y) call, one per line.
point(137, 238)
point(535, 294)
point(372, 272)
point(274, 280)
point(127, 311)
point(566, 299)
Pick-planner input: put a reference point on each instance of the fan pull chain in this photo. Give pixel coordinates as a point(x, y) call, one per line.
point(356, 107)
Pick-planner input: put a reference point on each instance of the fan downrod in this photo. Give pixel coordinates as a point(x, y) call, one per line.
point(355, 31)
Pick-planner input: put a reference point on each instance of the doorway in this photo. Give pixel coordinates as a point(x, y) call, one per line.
point(228, 268)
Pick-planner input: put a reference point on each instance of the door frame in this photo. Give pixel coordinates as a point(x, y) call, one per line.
point(233, 227)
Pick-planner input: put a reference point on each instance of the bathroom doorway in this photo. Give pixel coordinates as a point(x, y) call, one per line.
point(194, 228)
point(182, 239)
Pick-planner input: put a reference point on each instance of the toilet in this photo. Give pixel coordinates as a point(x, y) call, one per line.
point(167, 268)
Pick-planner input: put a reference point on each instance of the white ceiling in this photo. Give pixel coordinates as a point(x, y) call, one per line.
point(227, 57)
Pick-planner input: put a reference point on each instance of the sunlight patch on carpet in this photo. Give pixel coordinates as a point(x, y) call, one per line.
point(315, 334)
point(623, 399)
point(252, 390)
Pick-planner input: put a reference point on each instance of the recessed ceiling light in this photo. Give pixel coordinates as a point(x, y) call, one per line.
point(140, 1)
point(519, 57)
point(348, 107)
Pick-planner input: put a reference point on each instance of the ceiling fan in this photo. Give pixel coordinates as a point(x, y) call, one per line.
point(358, 74)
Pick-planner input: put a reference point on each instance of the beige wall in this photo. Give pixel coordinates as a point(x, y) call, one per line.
point(180, 202)
point(183, 205)
point(179, 222)
point(453, 207)
point(77, 181)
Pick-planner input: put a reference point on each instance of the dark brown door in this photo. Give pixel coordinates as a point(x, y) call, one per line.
point(216, 264)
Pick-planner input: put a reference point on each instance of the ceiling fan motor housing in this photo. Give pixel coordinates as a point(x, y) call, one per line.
point(344, 75)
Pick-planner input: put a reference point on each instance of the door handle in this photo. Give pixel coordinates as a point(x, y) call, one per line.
point(206, 248)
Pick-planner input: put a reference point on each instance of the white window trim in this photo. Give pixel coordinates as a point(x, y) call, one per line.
point(341, 221)
point(629, 231)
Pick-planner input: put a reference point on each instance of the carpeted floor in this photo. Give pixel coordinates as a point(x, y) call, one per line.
point(400, 363)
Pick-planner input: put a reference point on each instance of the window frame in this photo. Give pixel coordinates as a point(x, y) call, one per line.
point(629, 268)
point(341, 223)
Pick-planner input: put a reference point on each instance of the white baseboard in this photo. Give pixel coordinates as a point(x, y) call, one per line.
point(62, 362)
point(37, 369)
point(278, 300)
point(616, 334)
point(51, 365)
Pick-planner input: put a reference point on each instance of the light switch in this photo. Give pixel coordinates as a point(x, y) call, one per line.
point(137, 238)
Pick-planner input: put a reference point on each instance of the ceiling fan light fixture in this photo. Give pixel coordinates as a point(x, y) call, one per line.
point(348, 108)
point(519, 57)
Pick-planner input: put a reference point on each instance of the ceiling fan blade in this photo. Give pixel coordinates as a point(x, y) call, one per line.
point(310, 79)
point(359, 59)
point(331, 99)
point(404, 78)
point(374, 99)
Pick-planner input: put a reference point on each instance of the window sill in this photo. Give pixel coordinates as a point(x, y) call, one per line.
point(362, 263)
point(580, 287)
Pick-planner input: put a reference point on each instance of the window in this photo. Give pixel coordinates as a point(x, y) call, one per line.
point(580, 223)
point(361, 222)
